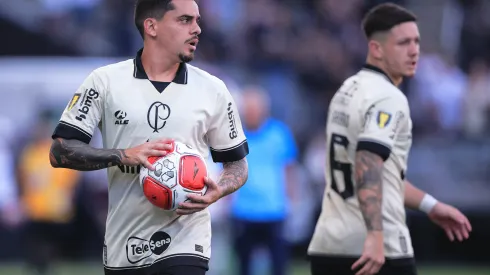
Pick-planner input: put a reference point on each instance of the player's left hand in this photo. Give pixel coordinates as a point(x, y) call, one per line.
point(197, 203)
point(451, 220)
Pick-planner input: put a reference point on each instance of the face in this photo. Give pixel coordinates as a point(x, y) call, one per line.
point(400, 50)
point(179, 29)
point(255, 107)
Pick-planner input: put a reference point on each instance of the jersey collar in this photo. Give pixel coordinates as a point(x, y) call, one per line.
point(139, 71)
point(377, 70)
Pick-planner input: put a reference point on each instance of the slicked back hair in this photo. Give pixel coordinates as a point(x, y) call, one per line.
point(384, 17)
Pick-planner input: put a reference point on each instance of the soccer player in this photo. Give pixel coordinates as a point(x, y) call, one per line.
point(140, 105)
point(361, 229)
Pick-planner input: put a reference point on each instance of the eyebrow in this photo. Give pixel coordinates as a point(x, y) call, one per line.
point(188, 16)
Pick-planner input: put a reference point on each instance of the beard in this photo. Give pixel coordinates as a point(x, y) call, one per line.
point(186, 57)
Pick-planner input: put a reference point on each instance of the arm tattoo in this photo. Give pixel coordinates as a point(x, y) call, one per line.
point(234, 175)
point(369, 169)
point(77, 155)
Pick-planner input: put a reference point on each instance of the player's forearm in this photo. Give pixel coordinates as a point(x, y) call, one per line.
point(369, 169)
point(75, 154)
point(413, 196)
point(234, 176)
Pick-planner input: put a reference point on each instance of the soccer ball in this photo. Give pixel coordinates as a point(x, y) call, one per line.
point(177, 174)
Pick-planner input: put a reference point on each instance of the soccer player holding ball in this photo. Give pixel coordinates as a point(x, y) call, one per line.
point(362, 229)
point(141, 105)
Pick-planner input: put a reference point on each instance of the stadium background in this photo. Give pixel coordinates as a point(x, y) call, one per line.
point(299, 51)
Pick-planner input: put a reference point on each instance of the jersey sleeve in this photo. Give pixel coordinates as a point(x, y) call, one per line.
point(225, 135)
point(83, 112)
point(382, 122)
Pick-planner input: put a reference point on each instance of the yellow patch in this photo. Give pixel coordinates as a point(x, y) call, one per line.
point(74, 101)
point(383, 119)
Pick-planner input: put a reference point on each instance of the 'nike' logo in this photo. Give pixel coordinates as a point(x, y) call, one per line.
point(196, 170)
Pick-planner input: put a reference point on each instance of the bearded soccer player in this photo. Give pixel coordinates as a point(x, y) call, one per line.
point(361, 229)
point(140, 105)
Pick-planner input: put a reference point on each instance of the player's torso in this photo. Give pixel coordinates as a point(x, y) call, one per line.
point(137, 232)
point(341, 229)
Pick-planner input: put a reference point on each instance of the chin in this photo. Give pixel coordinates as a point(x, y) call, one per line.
point(186, 57)
point(409, 74)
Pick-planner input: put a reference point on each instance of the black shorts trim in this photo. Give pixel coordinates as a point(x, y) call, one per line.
point(374, 147)
point(66, 130)
point(339, 264)
point(160, 265)
point(234, 153)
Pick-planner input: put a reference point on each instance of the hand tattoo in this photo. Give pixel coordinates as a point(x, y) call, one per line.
point(369, 171)
point(77, 155)
point(234, 175)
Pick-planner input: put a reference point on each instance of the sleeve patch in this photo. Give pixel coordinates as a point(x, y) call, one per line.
point(383, 119)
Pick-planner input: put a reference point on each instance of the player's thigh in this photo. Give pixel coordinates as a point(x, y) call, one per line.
point(405, 267)
point(320, 265)
point(183, 270)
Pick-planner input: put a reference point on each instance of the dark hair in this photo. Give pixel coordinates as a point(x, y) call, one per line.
point(145, 9)
point(384, 17)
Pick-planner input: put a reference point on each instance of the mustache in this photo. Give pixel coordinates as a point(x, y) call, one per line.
point(193, 38)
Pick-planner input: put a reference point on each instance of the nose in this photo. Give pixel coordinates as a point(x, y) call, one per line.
point(414, 49)
point(196, 30)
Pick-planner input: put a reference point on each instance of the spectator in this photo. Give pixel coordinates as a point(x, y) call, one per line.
point(260, 207)
point(47, 200)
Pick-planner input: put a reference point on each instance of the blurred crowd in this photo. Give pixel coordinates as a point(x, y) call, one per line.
point(299, 52)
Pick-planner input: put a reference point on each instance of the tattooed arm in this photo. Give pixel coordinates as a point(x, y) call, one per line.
point(369, 168)
point(234, 176)
point(78, 155)
point(75, 154)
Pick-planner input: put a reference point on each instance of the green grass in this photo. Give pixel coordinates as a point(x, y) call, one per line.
point(298, 269)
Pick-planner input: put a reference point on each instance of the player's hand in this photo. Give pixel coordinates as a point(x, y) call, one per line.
point(140, 154)
point(197, 203)
point(451, 220)
point(373, 256)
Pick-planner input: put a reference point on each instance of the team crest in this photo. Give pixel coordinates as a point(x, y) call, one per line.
point(74, 100)
point(383, 119)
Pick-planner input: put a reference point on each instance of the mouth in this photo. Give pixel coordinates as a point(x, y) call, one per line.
point(193, 43)
point(412, 63)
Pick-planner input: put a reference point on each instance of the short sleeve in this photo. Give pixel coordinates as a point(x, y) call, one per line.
point(382, 122)
point(83, 112)
point(225, 135)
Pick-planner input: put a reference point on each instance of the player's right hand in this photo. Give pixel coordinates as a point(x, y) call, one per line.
point(373, 256)
point(139, 154)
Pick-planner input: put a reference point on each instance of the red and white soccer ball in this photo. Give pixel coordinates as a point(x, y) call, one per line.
point(179, 173)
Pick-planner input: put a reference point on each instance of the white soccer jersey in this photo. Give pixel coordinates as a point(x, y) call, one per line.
point(196, 109)
point(367, 113)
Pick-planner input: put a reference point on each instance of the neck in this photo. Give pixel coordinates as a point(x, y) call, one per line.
point(397, 80)
point(159, 65)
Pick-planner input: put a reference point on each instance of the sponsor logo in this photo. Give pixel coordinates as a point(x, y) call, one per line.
point(340, 118)
point(403, 243)
point(138, 249)
point(86, 103)
point(120, 118)
point(105, 254)
point(199, 248)
point(231, 122)
point(383, 119)
point(399, 116)
point(157, 116)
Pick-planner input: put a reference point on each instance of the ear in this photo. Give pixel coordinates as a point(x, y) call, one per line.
point(150, 27)
point(375, 48)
